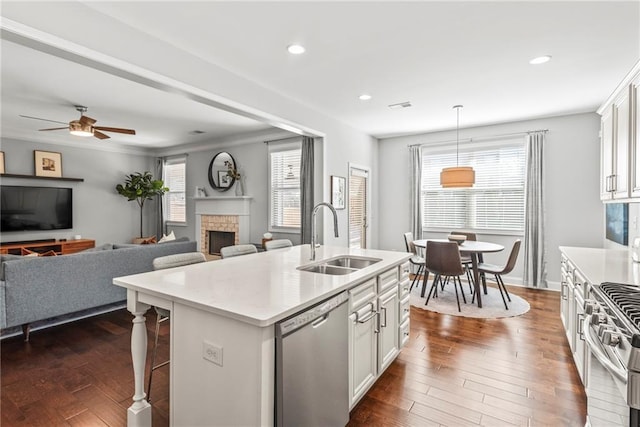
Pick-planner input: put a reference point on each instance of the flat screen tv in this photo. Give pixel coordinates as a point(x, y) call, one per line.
point(35, 208)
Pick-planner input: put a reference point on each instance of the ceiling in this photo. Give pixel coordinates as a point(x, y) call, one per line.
point(432, 54)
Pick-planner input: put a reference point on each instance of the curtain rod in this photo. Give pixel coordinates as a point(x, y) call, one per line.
point(284, 139)
point(480, 138)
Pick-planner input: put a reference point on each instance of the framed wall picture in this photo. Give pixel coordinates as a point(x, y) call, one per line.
point(47, 163)
point(224, 180)
point(2, 162)
point(338, 191)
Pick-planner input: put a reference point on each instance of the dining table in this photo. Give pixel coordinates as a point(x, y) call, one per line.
point(474, 249)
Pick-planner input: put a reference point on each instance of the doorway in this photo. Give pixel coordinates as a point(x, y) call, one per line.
point(358, 206)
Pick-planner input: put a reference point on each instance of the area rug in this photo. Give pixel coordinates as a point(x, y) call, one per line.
point(492, 305)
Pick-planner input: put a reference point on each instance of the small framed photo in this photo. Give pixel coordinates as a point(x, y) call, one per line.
point(2, 162)
point(338, 191)
point(224, 180)
point(47, 163)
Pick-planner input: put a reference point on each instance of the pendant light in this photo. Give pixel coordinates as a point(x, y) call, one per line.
point(458, 176)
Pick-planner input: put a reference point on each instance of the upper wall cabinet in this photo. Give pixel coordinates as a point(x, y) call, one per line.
point(620, 154)
point(635, 133)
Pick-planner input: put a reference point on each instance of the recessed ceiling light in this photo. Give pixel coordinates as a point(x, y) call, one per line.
point(364, 97)
point(540, 60)
point(405, 104)
point(295, 49)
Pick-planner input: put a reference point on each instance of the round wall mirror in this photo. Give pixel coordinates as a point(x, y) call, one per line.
point(218, 168)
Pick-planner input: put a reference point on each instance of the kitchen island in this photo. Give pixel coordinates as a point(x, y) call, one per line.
point(232, 305)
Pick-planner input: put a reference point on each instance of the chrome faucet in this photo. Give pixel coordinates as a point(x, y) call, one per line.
point(313, 226)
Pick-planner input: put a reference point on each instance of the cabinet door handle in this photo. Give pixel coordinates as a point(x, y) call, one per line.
point(377, 329)
point(385, 318)
point(614, 183)
point(581, 326)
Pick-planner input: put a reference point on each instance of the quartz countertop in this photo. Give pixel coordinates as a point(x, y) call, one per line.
point(259, 289)
point(604, 265)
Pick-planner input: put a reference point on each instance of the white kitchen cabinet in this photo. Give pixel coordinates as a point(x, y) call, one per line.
point(620, 154)
point(404, 312)
point(374, 330)
point(388, 338)
point(635, 136)
point(575, 288)
point(606, 154)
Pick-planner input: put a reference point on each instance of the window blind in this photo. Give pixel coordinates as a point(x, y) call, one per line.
point(174, 171)
point(495, 202)
point(357, 211)
point(285, 186)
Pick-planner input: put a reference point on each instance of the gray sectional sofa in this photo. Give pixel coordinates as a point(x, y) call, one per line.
point(35, 289)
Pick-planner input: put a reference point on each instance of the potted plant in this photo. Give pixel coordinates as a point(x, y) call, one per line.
point(141, 187)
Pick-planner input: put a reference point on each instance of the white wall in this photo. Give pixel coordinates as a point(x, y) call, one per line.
point(574, 212)
point(99, 212)
point(342, 143)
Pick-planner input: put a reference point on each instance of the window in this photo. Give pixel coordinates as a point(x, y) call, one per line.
point(495, 202)
point(284, 172)
point(174, 176)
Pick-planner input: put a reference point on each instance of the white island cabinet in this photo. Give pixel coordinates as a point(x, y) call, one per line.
point(230, 307)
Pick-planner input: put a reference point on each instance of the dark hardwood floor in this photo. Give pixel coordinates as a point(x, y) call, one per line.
point(454, 371)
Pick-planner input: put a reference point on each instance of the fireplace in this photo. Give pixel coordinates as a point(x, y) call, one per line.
point(220, 239)
point(229, 215)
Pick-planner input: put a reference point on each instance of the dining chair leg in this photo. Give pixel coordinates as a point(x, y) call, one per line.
point(504, 287)
point(425, 280)
point(460, 284)
point(484, 282)
point(456, 289)
point(415, 278)
point(501, 293)
point(469, 279)
point(434, 287)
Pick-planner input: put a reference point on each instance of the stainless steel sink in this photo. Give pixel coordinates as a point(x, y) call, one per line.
point(339, 265)
point(351, 261)
point(327, 269)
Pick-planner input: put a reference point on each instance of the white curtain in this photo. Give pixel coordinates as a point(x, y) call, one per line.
point(415, 168)
point(535, 265)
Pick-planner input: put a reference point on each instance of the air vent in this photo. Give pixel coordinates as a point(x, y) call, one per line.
point(405, 104)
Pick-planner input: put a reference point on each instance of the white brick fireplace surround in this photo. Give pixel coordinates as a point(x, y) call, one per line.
point(222, 214)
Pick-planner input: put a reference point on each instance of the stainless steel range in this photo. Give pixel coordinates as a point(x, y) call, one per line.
point(611, 330)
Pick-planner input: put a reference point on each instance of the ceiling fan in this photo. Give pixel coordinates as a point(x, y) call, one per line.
point(84, 126)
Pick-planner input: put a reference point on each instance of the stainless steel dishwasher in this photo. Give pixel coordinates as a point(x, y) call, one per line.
point(312, 369)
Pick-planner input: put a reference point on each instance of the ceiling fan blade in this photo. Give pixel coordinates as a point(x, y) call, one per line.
point(86, 120)
point(118, 130)
point(66, 127)
point(46, 120)
point(100, 135)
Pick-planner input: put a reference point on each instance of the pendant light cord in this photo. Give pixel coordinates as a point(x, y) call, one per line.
point(457, 107)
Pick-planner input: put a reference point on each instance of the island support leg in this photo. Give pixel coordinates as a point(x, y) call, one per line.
point(139, 413)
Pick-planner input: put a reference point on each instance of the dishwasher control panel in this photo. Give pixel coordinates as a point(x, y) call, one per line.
point(311, 314)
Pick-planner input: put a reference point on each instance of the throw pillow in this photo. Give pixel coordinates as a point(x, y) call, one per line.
point(167, 237)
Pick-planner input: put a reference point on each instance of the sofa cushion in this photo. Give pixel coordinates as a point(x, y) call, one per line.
point(7, 257)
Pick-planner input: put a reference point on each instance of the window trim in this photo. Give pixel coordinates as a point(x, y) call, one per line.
point(276, 147)
point(487, 145)
point(169, 161)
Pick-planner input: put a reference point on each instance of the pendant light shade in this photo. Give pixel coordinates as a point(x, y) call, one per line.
point(458, 176)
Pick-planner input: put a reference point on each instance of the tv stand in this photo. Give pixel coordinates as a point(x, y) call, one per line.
point(59, 247)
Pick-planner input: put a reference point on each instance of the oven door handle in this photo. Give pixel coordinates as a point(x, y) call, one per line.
point(597, 352)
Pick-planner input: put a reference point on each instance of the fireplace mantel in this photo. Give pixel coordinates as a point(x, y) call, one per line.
point(223, 205)
point(239, 206)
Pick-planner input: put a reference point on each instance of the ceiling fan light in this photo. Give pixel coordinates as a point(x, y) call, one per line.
point(78, 129)
point(457, 177)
